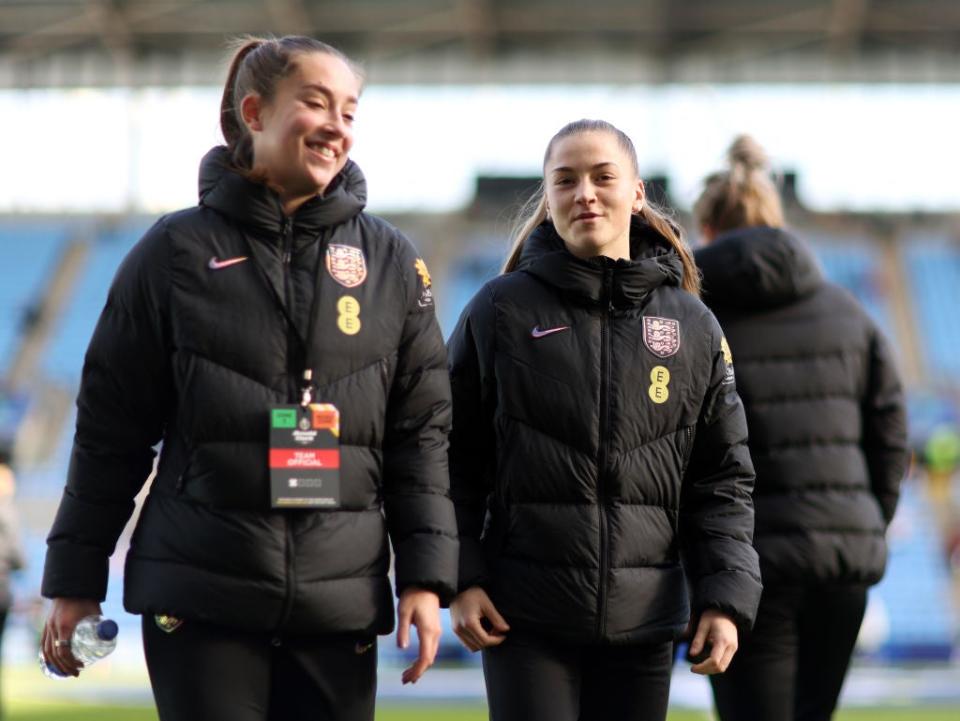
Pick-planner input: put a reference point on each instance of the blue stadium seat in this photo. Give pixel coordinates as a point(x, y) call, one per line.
point(934, 274)
point(29, 250)
point(64, 358)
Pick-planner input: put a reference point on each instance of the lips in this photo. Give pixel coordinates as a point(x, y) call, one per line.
point(586, 216)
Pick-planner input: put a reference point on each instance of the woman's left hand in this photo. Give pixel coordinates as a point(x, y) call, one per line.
point(719, 630)
point(419, 608)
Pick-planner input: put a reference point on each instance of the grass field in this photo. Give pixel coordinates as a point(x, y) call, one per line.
point(26, 711)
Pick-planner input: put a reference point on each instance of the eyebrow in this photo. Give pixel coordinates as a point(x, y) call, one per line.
point(324, 90)
point(598, 166)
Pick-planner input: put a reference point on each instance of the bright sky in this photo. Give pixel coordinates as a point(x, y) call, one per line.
point(869, 147)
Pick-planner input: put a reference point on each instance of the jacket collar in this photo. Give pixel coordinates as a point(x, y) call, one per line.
point(653, 263)
point(757, 267)
point(255, 204)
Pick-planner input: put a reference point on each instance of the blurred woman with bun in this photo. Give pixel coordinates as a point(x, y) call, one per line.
point(825, 413)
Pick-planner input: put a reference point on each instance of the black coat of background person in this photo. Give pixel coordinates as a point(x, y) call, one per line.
point(577, 496)
point(824, 408)
point(196, 357)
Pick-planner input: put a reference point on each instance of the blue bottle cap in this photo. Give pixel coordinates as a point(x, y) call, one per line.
point(107, 630)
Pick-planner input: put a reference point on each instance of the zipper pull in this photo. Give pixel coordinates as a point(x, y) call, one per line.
point(287, 250)
point(306, 393)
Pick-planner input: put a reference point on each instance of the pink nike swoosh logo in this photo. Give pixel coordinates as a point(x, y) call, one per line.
point(537, 333)
point(215, 264)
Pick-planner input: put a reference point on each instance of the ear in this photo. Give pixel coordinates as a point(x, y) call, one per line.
point(251, 110)
point(641, 196)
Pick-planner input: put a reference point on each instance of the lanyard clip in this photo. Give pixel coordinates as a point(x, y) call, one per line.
point(306, 393)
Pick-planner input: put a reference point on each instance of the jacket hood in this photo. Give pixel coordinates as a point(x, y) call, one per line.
point(757, 267)
point(653, 263)
point(253, 203)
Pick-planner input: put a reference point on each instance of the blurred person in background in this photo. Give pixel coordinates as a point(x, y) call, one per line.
point(826, 417)
point(598, 456)
point(11, 552)
point(222, 326)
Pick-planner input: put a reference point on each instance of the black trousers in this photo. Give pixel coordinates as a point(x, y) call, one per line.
point(792, 665)
point(531, 678)
point(201, 672)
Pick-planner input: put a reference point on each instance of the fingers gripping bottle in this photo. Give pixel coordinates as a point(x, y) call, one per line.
point(92, 639)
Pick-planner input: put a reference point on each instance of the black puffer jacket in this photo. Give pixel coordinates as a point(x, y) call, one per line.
point(194, 351)
point(600, 458)
point(824, 408)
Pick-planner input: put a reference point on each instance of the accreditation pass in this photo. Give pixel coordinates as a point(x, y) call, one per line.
point(305, 456)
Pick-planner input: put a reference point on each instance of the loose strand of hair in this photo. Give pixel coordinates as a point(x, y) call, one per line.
point(532, 213)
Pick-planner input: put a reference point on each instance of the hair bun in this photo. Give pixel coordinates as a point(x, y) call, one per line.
point(747, 152)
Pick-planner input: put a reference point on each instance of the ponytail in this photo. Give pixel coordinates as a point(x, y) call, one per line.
point(743, 195)
point(534, 211)
point(231, 120)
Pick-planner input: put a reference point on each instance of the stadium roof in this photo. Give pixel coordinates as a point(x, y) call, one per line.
point(174, 42)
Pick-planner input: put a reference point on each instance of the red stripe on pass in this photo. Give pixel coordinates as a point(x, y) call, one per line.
point(304, 458)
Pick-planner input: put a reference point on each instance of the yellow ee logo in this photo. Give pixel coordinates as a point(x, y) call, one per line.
point(348, 318)
point(659, 380)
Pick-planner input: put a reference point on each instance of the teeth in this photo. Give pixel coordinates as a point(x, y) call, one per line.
point(323, 150)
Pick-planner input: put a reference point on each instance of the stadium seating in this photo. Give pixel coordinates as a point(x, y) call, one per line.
point(934, 275)
point(64, 359)
point(30, 251)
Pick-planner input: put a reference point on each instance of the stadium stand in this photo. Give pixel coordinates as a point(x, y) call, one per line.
point(30, 250)
point(934, 274)
point(64, 359)
point(916, 589)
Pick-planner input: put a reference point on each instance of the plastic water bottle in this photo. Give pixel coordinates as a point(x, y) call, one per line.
point(92, 639)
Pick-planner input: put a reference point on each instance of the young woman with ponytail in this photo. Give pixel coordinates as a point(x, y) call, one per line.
point(598, 457)
point(282, 345)
point(827, 435)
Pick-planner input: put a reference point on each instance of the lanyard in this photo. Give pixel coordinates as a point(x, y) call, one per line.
point(306, 378)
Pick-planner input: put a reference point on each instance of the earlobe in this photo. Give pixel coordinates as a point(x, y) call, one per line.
point(641, 196)
point(250, 112)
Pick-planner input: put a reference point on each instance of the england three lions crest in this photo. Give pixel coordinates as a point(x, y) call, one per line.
point(661, 336)
point(346, 265)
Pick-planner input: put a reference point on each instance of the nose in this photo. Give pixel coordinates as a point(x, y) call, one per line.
point(586, 193)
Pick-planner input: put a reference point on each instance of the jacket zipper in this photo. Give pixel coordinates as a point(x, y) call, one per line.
point(292, 375)
point(605, 321)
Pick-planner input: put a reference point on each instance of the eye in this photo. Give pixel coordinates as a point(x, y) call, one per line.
point(562, 181)
point(349, 117)
point(314, 104)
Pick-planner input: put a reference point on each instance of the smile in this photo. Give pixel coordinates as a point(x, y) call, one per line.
point(322, 150)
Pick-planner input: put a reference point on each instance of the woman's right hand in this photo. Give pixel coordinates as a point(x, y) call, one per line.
point(64, 616)
point(468, 611)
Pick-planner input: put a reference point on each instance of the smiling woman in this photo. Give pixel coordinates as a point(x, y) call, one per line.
point(598, 458)
point(291, 124)
point(282, 345)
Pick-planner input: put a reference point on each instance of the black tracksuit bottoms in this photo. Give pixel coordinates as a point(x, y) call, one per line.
point(202, 672)
point(791, 666)
point(532, 678)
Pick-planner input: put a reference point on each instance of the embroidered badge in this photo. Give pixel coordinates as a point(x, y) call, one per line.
point(346, 265)
point(661, 336)
point(167, 624)
point(727, 359)
point(426, 290)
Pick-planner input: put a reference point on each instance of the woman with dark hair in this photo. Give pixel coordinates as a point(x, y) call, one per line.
point(827, 435)
point(282, 344)
point(598, 458)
